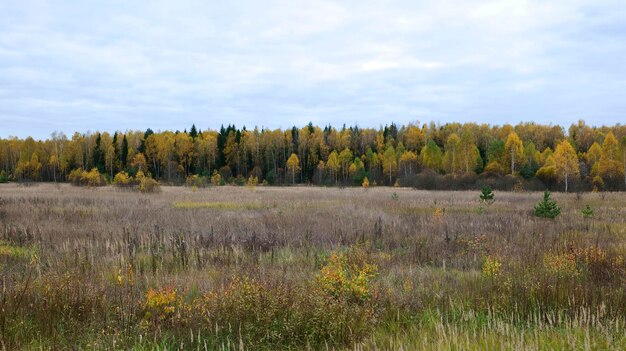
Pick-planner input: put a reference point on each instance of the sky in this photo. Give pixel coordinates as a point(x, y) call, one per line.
point(117, 65)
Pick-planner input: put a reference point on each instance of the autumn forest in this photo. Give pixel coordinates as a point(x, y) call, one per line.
point(428, 156)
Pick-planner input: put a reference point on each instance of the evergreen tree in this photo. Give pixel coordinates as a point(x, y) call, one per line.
point(124, 153)
point(486, 195)
point(547, 208)
point(98, 155)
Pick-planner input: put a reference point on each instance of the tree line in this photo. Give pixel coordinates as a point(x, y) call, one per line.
point(595, 156)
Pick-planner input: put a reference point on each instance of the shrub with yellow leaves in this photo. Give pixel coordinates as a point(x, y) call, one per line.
point(252, 182)
point(122, 179)
point(349, 275)
point(439, 214)
point(160, 305)
point(491, 266)
point(561, 265)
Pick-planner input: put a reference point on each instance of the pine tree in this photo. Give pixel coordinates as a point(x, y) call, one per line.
point(547, 208)
point(487, 195)
point(587, 211)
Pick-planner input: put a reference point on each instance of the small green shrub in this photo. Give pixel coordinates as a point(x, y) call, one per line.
point(587, 211)
point(486, 195)
point(547, 208)
point(3, 177)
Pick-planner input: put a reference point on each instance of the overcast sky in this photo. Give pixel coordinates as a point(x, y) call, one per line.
point(117, 65)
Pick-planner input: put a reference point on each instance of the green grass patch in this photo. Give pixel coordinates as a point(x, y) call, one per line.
point(8, 250)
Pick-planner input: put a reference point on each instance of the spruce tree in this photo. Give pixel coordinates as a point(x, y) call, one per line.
point(98, 155)
point(124, 153)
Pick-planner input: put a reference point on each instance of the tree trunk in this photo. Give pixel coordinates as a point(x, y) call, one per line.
point(512, 160)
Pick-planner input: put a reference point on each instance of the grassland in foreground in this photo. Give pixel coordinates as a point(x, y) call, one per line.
point(234, 268)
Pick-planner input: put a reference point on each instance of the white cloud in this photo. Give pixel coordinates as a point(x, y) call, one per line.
point(282, 61)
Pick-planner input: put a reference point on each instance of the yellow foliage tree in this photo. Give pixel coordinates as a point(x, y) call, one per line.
point(431, 156)
point(390, 162)
point(609, 166)
point(547, 172)
point(513, 152)
point(468, 152)
point(566, 163)
point(451, 159)
point(408, 162)
point(139, 162)
point(293, 165)
point(592, 156)
point(332, 164)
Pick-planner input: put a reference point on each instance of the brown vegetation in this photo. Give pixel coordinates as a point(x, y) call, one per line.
point(303, 267)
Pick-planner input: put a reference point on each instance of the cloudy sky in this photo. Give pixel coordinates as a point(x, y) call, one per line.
point(116, 65)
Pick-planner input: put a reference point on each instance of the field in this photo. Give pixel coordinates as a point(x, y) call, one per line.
point(308, 268)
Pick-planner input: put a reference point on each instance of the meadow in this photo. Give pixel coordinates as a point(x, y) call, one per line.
point(266, 268)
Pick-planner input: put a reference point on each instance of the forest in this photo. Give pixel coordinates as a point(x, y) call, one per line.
point(431, 156)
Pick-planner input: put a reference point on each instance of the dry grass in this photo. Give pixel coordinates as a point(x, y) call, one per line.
point(450, 275)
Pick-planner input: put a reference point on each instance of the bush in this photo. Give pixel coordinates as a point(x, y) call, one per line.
point(493, 169)
point(240, 180)
point(3, 177)
point(160, 305)
point(587, 211)
point(81, 177)
point(271, 177)
point(75, 176)
point(147, 184)
point(122, 179)
point(196, 181)
point(547, 208)
point(252, 182)
point(216, 179)
point(93, 178)
point(348, 275)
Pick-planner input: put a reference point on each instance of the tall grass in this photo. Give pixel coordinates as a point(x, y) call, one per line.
point(308, 268)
